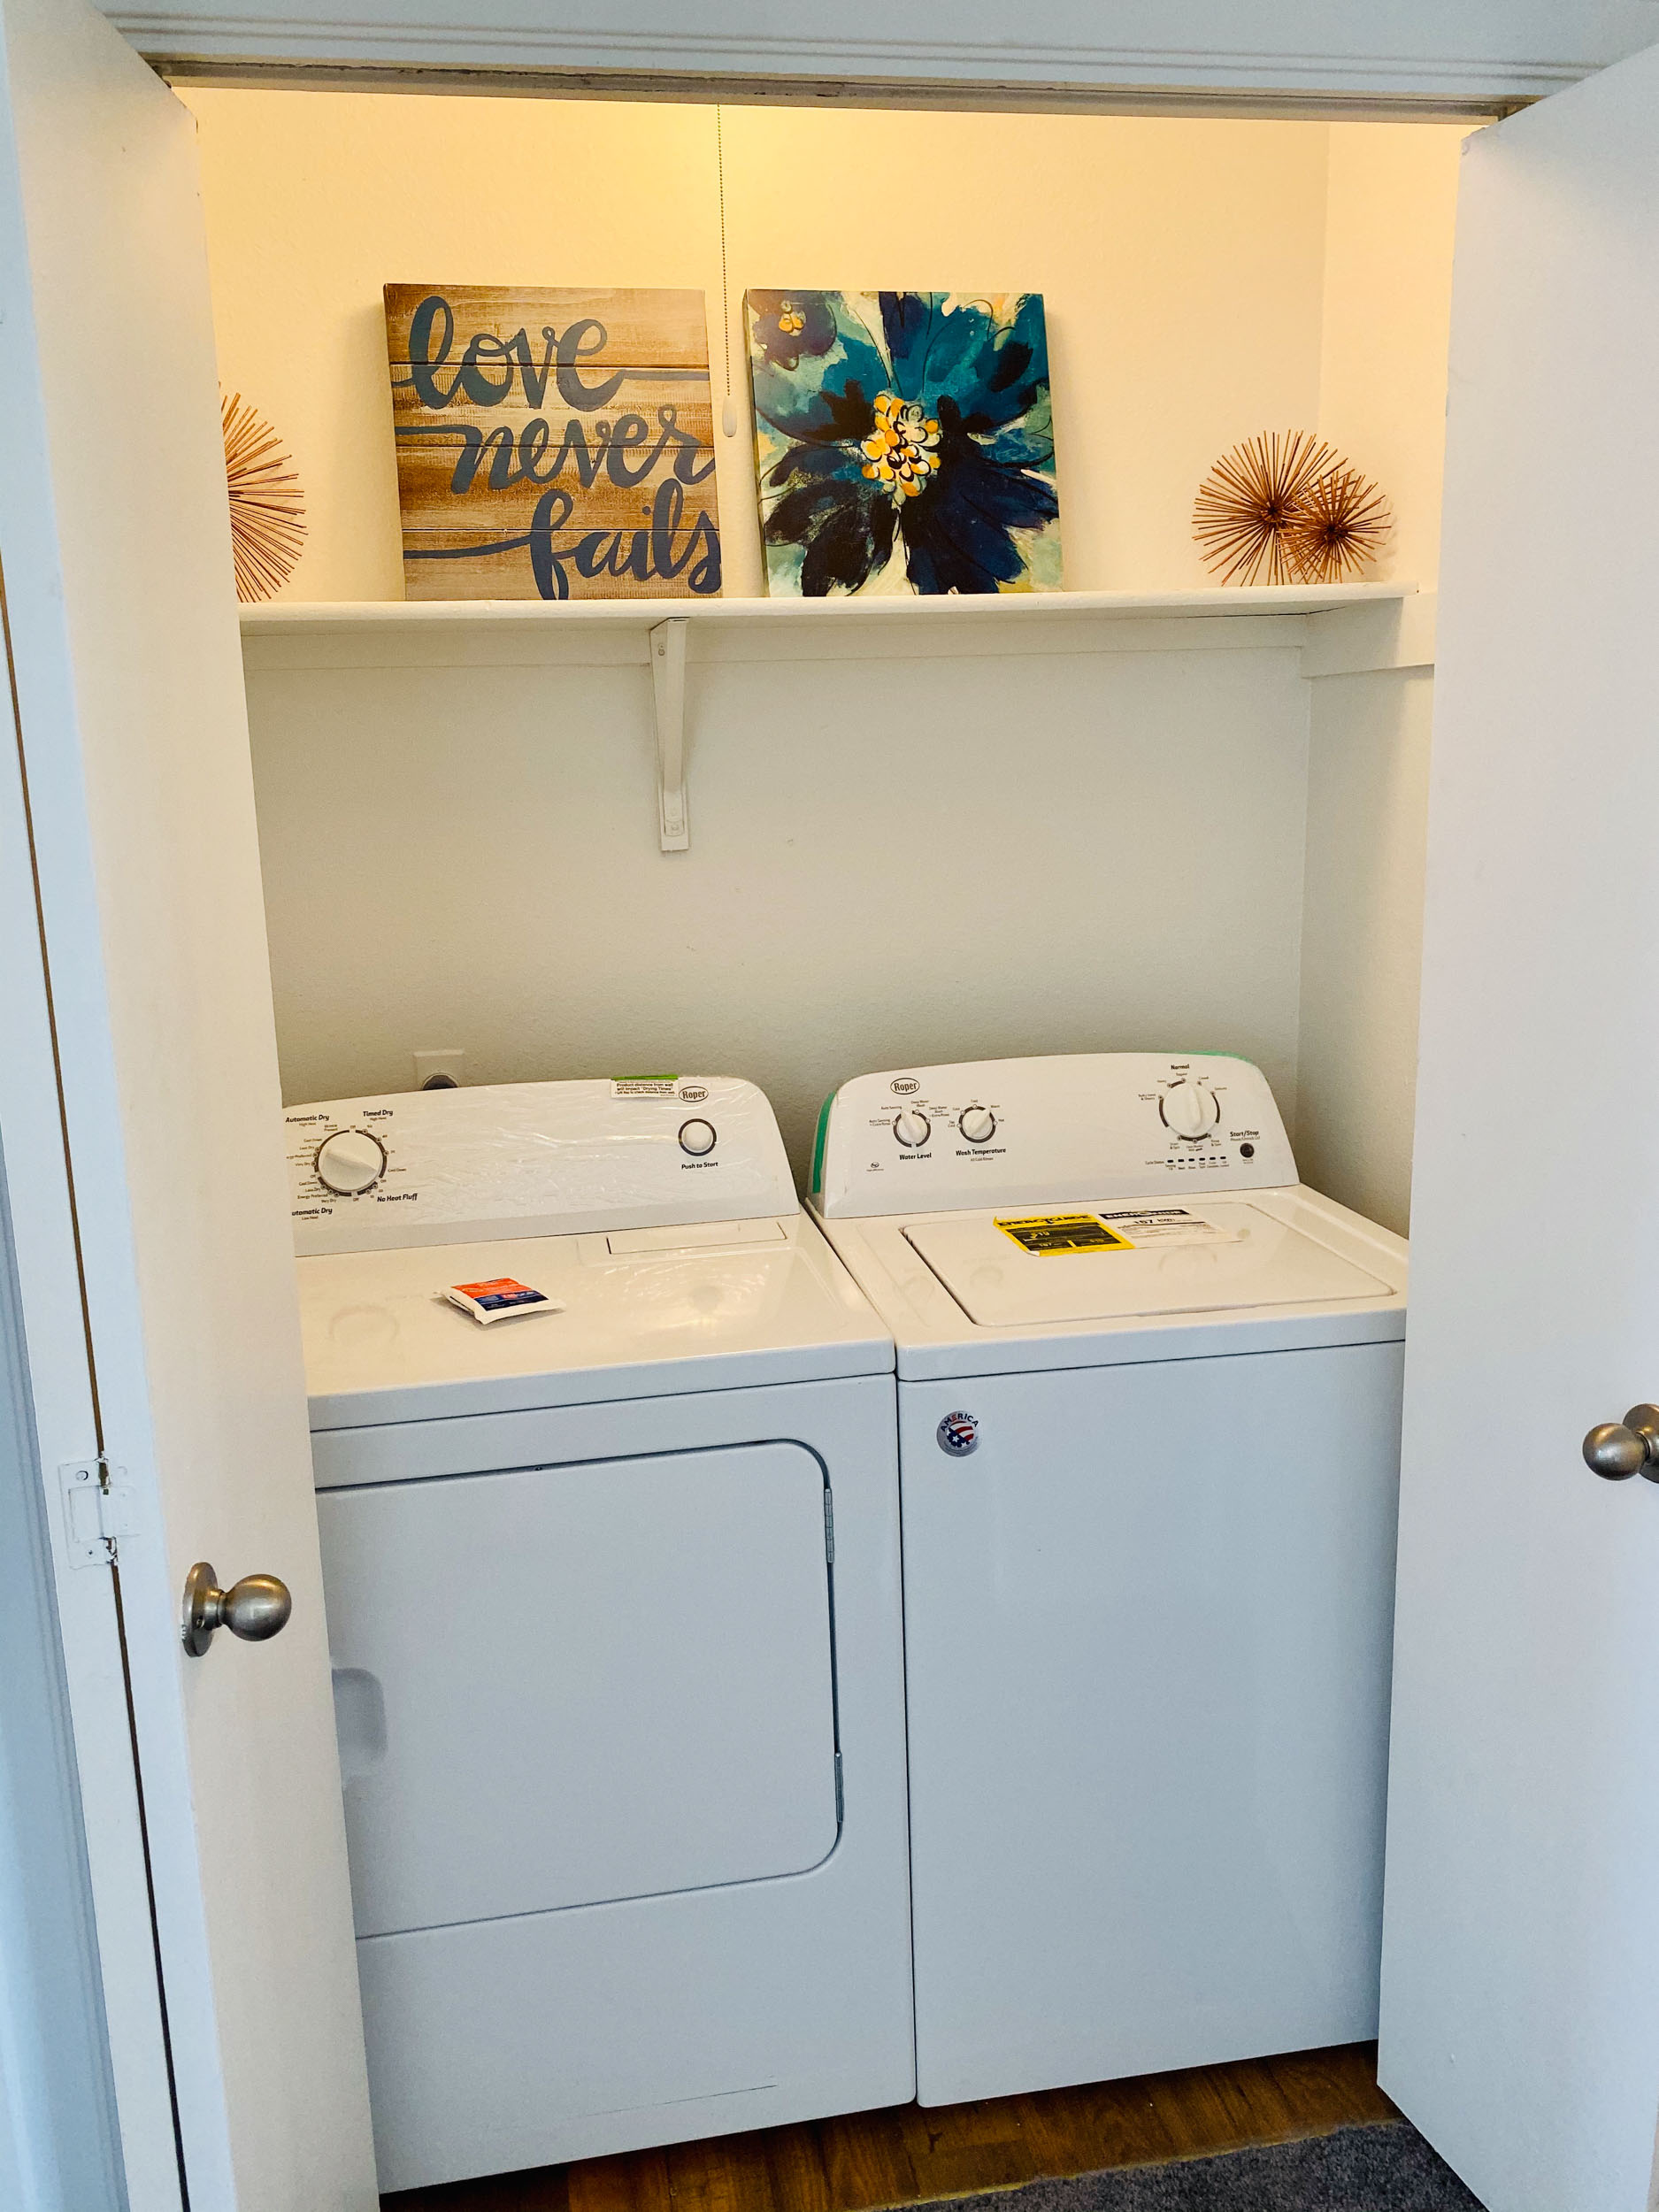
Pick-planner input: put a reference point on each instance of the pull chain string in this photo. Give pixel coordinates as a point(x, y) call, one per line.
point(728, 420)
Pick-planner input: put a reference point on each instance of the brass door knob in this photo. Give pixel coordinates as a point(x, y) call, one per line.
point(254, 1608)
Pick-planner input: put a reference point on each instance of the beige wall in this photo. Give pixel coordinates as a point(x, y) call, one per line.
point(894, 855)
point(1391, 199)
point(1203, 280)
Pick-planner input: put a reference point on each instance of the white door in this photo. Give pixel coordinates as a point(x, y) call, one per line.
point(1520, 2024)
point(138, 1113)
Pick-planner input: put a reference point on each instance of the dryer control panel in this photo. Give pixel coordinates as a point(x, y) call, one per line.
point(532, 1160)
point(1028, 1132)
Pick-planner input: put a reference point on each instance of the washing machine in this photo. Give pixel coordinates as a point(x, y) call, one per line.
point(612, 1583)
point(1148, 1419)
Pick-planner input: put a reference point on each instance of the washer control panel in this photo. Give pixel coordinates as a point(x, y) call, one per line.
point(532, 1160)
point(1018, 1132)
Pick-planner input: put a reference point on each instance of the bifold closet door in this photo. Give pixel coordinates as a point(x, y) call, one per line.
point(136, 796)
point(1520, 1994)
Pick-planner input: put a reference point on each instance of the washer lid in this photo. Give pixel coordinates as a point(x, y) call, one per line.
point(1087, 1263)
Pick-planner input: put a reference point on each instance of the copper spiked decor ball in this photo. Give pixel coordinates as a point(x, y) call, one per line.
point(1286, 508)
point(1343, 524)
point(267, 507)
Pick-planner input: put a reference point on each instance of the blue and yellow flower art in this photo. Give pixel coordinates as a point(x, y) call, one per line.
point(905, 443)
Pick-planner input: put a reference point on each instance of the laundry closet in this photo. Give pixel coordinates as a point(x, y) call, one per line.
point(1043, 837)
point(1138, 814)
point(946, 853)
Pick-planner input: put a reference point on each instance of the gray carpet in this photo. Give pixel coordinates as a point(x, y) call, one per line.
point(1384, 2168)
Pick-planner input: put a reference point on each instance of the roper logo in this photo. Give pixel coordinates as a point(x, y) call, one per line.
point(904, 1084)
point(693, 1093)
point(958, 1434)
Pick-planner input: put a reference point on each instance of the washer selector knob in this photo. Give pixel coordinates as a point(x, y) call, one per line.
point(977, 1124)
point(1190, 1110)
point(912, 1128)
point(350, 1162)
point(698, 1137)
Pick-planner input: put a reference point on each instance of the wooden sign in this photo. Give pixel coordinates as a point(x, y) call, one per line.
point(553, 444)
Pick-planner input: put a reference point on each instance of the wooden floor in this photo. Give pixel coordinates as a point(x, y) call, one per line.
point(905, 2155)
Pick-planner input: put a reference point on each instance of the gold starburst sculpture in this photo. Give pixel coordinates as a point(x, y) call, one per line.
point(1340, 528)
point(1250, 502)
point(267, 507)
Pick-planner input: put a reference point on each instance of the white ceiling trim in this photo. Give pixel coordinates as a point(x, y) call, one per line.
point(227, 36)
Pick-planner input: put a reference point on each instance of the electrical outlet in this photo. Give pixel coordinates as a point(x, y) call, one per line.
point(438, 1070)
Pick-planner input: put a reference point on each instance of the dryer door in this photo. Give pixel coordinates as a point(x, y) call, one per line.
point(557, 1686)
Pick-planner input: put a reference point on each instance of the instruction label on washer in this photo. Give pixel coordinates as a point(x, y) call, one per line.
point(1166, 1225)
point(1124, 1230)
point(1047, 1233)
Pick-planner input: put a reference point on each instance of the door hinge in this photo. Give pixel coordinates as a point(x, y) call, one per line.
point(98, 1511)
point(829, 1526)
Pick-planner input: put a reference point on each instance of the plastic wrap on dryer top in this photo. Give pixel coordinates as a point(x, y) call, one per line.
point(1027, 1133)
point(532, 1160)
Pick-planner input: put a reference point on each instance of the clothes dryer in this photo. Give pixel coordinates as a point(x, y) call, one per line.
point(614, 1607)
point(1148, 1412)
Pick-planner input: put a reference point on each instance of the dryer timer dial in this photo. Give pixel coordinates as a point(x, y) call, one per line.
point(350, 1162)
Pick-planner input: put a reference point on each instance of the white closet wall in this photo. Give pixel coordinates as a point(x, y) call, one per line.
point(1362, 937)
point(892, 858)
point(1390, 208)
point(901, 849)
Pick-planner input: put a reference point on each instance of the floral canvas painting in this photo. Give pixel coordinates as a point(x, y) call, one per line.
point(905, 440)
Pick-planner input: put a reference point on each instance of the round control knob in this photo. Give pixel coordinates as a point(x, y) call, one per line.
point(350, 1160)
point(977, 1124)
point(1190, 1110)
point(697, 1138)
point(911, 1128)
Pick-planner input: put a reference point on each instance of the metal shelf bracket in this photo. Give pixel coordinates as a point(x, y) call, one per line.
point(668, 690)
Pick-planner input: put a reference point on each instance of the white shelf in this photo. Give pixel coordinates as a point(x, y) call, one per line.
point(1337, 626)
point(289, 617)
point(1338, 629)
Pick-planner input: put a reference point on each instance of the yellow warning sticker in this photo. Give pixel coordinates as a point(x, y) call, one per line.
point(1046, 1234)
